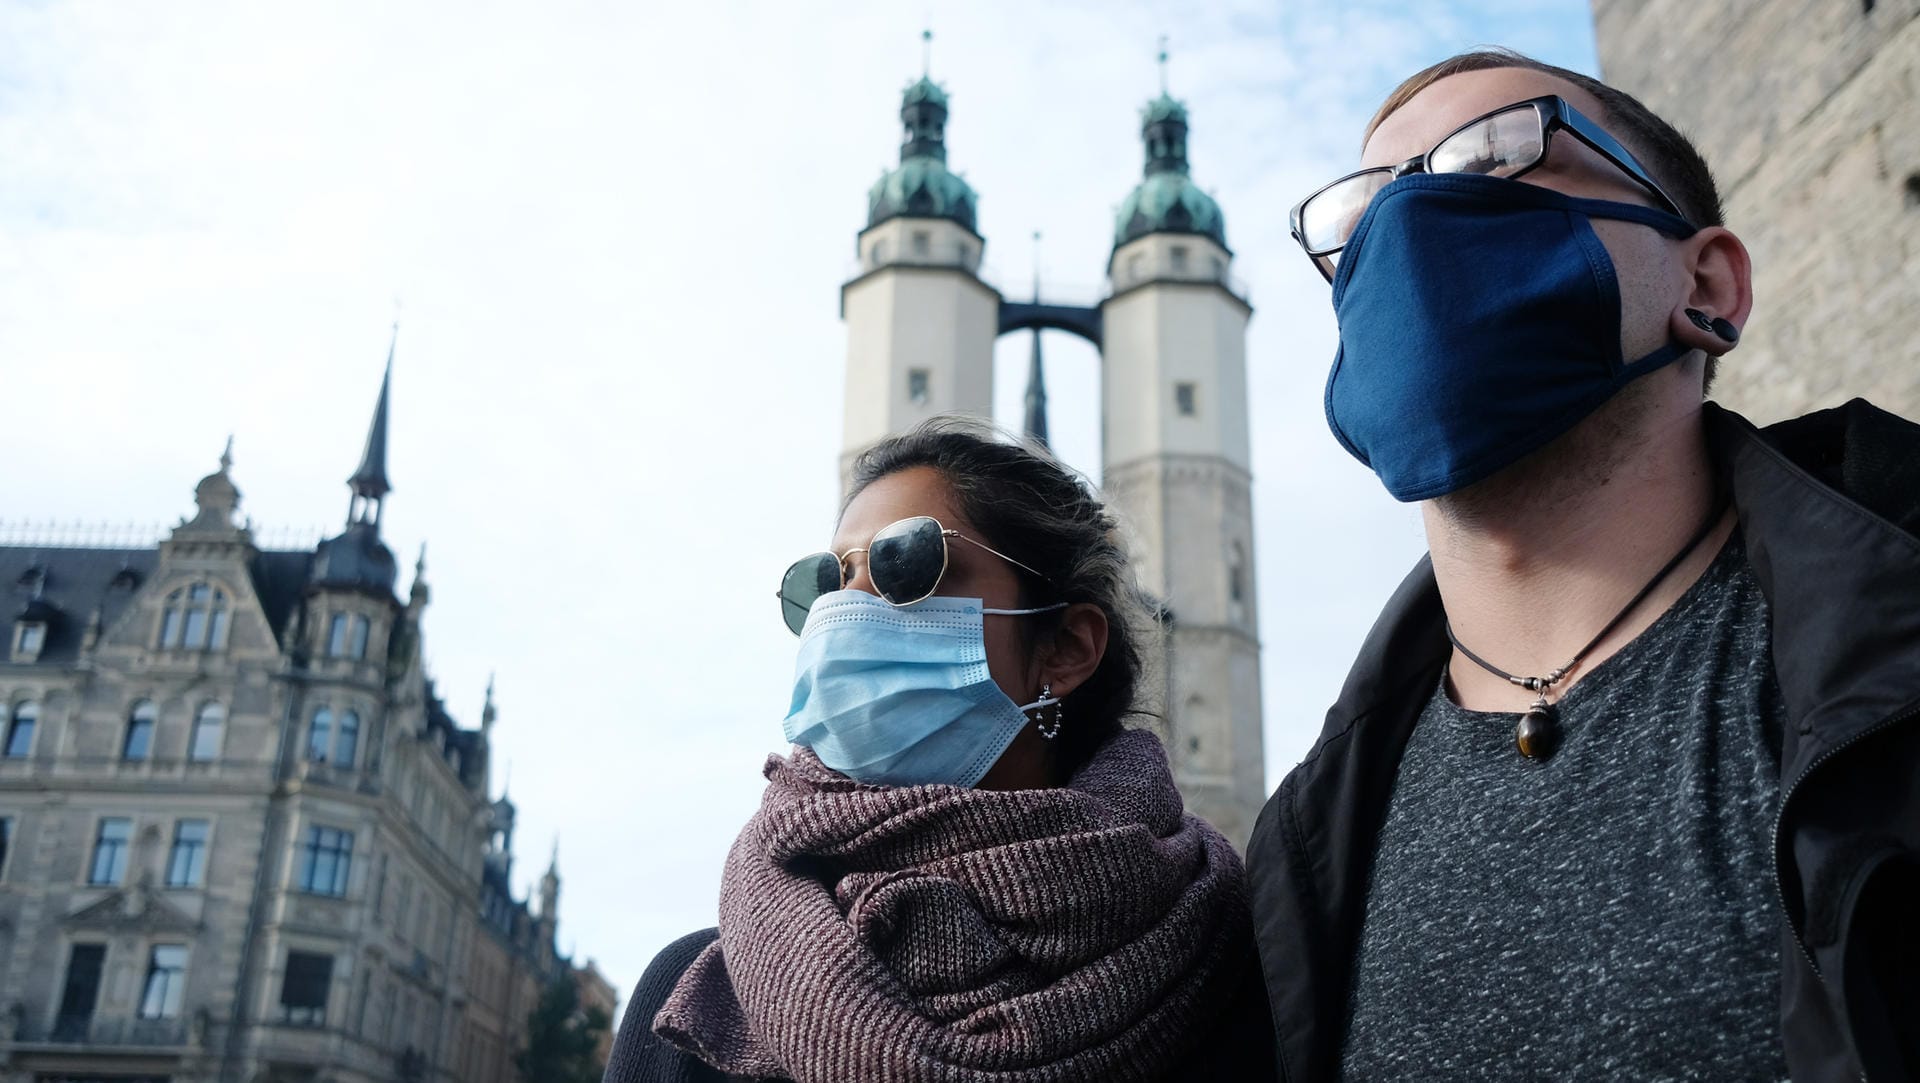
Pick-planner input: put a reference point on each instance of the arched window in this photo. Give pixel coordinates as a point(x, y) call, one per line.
point(347, 746)
point(195, 619)
point(20, 730)
point(140, 723)
point(319, 734)
point(209, 730)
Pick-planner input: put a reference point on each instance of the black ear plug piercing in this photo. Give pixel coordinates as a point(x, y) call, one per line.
point(1719, 325)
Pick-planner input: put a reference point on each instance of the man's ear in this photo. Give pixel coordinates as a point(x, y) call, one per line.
point(1719, 287)
point(1077, 648)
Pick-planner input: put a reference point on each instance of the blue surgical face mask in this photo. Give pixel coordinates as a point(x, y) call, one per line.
point(901, 695)
point(1479, 319)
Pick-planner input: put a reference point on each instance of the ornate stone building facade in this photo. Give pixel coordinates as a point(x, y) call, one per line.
point(241, 837)
point(1176, 457)
point(1805, 110)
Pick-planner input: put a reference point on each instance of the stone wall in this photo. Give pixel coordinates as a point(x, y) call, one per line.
point(1809, 113)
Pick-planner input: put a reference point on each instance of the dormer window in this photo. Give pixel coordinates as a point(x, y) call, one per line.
point(347, 636)
point(195, 619)
point(28, 637)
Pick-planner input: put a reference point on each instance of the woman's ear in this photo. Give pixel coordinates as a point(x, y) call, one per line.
point(1077, 648)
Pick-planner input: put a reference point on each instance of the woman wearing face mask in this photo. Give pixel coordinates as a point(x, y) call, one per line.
point(967, 868)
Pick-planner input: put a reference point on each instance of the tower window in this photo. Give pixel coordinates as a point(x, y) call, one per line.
point(140, 723)
point(922, 243)
point(209, 730)
point(195, 619)
point(1219, 269)
point(1177, 257)
point(1913, 190)
point(1183, 399)
point(347, 636)
point(20, 730)
point(879, 251)
point(919, 386)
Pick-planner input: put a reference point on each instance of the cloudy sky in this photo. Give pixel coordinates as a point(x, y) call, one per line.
point(615, 235)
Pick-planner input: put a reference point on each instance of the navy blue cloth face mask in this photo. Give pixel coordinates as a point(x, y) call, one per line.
point(1479, 319)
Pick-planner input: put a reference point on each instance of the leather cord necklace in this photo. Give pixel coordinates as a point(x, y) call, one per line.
point(1538, 732)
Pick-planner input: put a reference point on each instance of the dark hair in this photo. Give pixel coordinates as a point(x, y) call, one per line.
point(1032, 508)
point(1672, 159)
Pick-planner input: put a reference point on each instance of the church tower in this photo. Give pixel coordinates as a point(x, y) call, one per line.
point(920, 322)
point(1176, 465)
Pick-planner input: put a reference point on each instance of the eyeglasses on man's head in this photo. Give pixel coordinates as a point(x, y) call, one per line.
point(1508, 142)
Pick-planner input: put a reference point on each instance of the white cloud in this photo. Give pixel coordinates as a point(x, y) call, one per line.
point(618, 232)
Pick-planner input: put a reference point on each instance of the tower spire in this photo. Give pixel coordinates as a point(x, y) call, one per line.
point(369, 482)
point(1163, 64)
point(926, 53)
point(1036, 401)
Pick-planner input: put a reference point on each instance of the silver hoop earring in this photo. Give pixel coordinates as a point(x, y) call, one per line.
point(1047, 719)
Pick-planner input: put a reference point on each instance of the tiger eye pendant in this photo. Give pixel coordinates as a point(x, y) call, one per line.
point(1538, 732)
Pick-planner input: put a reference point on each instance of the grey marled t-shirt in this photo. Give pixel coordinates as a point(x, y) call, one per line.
point(1609, 913)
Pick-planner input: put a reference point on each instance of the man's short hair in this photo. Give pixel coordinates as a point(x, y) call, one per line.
point(1670, 157)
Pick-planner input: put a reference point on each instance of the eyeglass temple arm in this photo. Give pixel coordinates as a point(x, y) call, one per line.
point(983, 545)
point(1610, 148)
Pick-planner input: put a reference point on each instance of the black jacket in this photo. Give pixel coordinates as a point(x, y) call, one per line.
point(1829, 507)
point(1239, 1050)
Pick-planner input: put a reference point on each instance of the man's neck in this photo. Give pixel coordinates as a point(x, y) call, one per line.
point(1534, 562)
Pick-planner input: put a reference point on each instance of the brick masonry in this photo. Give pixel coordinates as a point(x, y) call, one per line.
point(1806, 110)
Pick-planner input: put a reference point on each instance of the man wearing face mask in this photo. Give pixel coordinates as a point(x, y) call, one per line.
point(1623, 782)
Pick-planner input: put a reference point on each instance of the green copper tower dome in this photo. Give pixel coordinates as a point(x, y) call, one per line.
point(922, 186)
point(1166, 199)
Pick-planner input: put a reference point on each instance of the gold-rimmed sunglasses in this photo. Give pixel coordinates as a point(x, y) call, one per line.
point(905, 560)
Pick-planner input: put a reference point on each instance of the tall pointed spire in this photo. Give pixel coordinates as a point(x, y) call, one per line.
point(1036, 420)
point(369, 482)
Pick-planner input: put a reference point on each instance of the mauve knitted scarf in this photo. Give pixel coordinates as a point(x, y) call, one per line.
point(940, 933)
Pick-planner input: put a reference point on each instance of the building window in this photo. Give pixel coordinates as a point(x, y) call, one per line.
point(1183, 399)
point(6, 843)
point(84, 965)
point(1177, 256)
point(346, 747)
point(110, 851)
point(28, 637)
point(1136, 267)
point(20, 730)
point(1219, 269)
point(209, 728)
point(166, 982)
point(879, 251)
point(319, 733)
point(919, 386)
point(195, 619)
point(303, 990)
point(187, 862)
point(140, 723)
point(347, 636)
point(325, 859)
point(922, 243)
